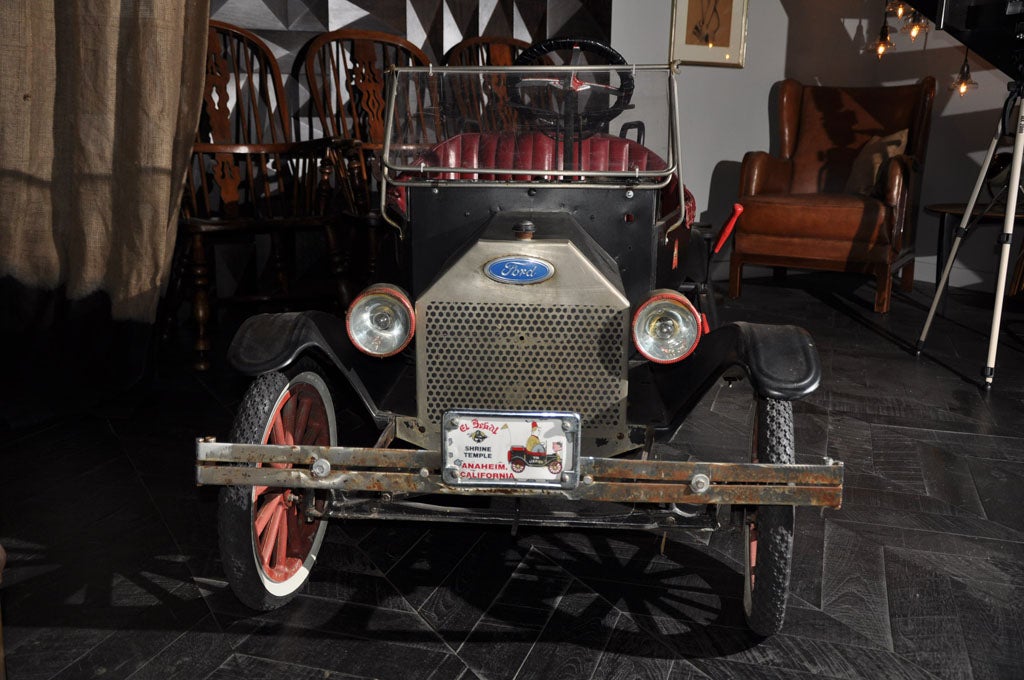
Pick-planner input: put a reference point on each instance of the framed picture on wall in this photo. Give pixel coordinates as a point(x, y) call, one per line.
point(709, 32)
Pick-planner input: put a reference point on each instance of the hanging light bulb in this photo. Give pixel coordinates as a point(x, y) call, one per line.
point(896, 8)
point(963, 80)
point(915, 24)
point(884, 41)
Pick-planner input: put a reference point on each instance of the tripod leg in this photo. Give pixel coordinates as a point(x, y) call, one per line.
point(978, 184)
point(941, 288)
point(1004, 252)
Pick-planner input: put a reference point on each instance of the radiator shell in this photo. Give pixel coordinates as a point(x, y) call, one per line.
point(558, 345)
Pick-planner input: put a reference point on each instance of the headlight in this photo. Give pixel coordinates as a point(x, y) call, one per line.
point(381, 321)
point(666, 327)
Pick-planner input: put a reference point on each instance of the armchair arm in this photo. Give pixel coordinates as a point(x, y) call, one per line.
point(762, 173)
point(894, 180)
point(893, 188)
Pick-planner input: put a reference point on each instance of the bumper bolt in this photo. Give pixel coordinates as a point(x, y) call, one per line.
point(700, 483)
point(588, 480)
point(320, 468)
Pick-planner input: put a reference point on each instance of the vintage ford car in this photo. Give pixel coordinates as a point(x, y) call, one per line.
point(537, 350)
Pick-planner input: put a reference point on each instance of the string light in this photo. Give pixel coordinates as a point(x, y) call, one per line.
point(915, 24)
point(884, 41)
point(964, 81)
point(896, 8)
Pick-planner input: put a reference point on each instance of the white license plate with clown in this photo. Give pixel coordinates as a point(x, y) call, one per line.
point(484, 448)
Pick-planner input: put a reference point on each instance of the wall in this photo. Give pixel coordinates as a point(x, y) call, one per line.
point(725, 110)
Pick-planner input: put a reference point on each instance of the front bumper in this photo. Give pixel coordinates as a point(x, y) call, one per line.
point(400, 472)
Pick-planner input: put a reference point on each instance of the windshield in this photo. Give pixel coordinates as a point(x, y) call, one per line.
point(605, 124)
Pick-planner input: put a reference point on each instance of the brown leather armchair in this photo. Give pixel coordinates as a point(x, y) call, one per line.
point(842, 195)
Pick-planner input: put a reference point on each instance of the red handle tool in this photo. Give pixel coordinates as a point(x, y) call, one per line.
point(726, 232)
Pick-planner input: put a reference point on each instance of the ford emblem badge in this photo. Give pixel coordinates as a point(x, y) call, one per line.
point(519, 270)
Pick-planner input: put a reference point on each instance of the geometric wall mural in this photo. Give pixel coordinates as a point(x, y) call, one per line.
point(432, 25)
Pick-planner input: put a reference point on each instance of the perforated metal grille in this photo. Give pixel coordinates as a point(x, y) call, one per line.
point(502, 356)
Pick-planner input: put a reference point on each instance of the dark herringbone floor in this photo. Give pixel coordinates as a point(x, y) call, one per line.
point(113, 569)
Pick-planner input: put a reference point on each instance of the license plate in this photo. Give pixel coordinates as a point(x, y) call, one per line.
point(502, 449)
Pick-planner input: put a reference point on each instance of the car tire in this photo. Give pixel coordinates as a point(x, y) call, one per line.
point(768, 529)
point(267, 547)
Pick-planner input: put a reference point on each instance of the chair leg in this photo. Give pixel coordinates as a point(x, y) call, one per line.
point(907, 277)
point(883, 294)
point(200, 303)
point(735, 276)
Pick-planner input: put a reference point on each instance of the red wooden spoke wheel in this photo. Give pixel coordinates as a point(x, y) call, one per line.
point(283, 538)
point(267, 545)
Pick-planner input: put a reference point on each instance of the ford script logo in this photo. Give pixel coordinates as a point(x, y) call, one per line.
point(519, 270)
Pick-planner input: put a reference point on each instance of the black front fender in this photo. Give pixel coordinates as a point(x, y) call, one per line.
point(269, 342)
point(781, 361)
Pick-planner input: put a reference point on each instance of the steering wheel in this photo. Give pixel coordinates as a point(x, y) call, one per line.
point(561, 109)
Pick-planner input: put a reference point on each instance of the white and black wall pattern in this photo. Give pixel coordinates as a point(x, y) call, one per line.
point(432, 25)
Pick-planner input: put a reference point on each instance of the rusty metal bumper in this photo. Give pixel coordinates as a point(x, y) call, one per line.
point(415, 471)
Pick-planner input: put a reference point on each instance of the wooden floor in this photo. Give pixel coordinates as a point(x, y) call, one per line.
point(114, 570)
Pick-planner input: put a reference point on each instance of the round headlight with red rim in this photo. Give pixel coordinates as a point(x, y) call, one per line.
point(666, 327)
point(381, 321)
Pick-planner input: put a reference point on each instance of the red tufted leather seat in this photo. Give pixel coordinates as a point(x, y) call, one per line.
point(537, 151)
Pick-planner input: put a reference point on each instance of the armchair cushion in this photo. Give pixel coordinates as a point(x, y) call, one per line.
point(870, 158)
point(816, 217)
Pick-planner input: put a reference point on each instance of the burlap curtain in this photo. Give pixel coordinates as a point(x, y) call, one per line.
point(98, 105)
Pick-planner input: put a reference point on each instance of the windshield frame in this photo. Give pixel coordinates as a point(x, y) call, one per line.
point(408, 175)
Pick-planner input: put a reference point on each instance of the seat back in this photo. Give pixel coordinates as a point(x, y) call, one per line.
point(345, 72)
point(823, 129)
point(484, 102)
point(241, 161)
point(243, 97)
point(485, 51)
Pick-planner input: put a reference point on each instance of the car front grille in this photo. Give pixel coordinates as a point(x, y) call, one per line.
point(508, 356)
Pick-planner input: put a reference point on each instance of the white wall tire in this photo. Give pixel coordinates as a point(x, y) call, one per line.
point(267, 547)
